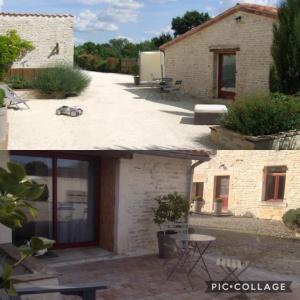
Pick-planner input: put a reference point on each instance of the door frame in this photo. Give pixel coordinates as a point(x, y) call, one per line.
point(217, 178)
point(224, 94)
point(71, 156)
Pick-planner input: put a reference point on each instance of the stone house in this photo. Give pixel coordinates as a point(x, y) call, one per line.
point(51, 34)
point(262, 184)
point(102, 198)
point(228, 56)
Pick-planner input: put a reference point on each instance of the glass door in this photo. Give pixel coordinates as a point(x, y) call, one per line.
point(227, 76)
point(222, 190)
point(75, 202)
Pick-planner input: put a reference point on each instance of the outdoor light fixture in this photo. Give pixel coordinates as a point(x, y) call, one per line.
point(238, 19)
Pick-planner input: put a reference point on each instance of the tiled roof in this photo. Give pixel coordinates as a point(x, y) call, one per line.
point(260, 10)
point(12, 14)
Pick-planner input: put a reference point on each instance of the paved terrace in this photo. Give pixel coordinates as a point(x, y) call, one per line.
point(117, 115)
point(144, 278)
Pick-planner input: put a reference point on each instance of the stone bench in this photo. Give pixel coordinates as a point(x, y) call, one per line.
point(209, 114)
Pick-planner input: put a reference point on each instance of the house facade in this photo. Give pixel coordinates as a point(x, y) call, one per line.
point(102, 198)
point(261, 184)
point(51, 35)
point(226, 57)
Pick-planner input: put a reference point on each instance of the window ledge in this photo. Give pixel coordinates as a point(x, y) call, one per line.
point(274, 203)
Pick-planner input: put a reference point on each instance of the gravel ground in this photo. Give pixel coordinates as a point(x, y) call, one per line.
point(117, 115)
point(270, 248)
point(247, 225)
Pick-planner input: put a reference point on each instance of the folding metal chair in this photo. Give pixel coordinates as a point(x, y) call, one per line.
point(12, 97)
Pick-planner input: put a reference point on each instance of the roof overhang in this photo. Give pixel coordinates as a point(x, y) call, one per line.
point(260, 10)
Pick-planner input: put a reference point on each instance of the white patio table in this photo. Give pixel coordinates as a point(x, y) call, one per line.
point(194, 245)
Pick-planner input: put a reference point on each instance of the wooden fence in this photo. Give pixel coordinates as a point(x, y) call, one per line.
point(127, 64)
point(26, 73)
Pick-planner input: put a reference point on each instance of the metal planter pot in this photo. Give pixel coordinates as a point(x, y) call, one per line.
point(3, 123)
point(137, 80)
point(166, 245)
point(218, 208)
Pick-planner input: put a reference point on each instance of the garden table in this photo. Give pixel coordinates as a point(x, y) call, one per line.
point(194, 245)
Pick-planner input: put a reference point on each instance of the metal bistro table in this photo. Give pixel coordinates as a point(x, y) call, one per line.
point(193, 246)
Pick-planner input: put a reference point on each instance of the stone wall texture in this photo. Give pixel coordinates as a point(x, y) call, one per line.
point(190, 60)
point(141, 180)
point(44, 32)
point(247, 181)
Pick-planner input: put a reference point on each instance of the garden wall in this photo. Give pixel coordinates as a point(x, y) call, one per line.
point(51, 35)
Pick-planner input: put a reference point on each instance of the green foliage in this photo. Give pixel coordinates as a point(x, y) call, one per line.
point(162, 39)
point(2, 96)
point(286, 49)
point(198, 199)
point(188, 21)
point(20, 82)
point(135, 71)
point(12, 48)
point(219, 200)
point(61, 81)
point(263, 114)
point(16, 190)
point(171, 208)
point(291, 219)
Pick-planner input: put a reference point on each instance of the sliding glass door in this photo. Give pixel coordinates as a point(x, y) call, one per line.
point(67, 209)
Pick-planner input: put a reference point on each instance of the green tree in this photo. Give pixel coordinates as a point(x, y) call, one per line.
point(12, 48)
point(162, 39)
point(188, 21)
point(16, 192)
point(285, 72)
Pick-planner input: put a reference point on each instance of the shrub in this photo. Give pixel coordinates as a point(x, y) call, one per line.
point(171, 208)
point(291, 219)
point(61, 81)
point(20, 82)
point(12, 48)
point(2, 96)
point(263, 114)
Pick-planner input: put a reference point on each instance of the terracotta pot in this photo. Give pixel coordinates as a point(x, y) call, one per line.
point(3, 123)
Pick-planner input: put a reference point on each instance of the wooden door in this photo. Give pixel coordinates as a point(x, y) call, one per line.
point(227, 76)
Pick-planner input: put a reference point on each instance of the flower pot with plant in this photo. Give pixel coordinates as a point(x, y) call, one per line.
point(3, 116)
point(218, 206)
point(171, 209)
point(198, 203)
point(136, 74)
point(291, 219)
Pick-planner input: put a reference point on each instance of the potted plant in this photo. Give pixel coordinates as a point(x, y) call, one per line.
point(16, 193)
point(198, 202)
point(170, 209)
point(3, 116)
point(218, 206)
point(136, 74)
point(291, 219)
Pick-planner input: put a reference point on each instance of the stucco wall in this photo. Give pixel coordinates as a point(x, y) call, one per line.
point(5, 233)
point(191, 60)
point(247, 181)
point(44, 33)
point(141, 180)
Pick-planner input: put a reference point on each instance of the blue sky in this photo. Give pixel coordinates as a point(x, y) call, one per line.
point(137, 20)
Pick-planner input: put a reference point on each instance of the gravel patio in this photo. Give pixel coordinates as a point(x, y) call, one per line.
point(117, 115)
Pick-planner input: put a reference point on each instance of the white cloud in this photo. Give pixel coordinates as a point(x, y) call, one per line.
point(117, 11)
point(261, 2)
point(1, 4)
point(90, 21)
point(160, 31)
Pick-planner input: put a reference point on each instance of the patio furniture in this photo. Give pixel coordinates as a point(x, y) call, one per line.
point(209, 114)
point(165, 82)
point(191, 252)
point(174, 89)
point(233, 268)
point(85, 291)
point(12, 97)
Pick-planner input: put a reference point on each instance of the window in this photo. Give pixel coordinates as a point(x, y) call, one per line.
point(198, 189)
point(275, 183)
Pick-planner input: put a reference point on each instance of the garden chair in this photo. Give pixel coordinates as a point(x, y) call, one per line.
point(12, 98)
point(173, 89)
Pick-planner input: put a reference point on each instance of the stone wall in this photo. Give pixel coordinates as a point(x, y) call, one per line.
point(141, 180)
point(192, 61)
point(44, 32)
point(5, 233)
point(247, 181)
